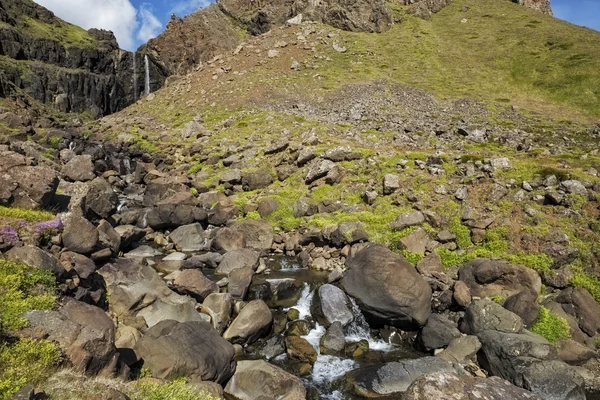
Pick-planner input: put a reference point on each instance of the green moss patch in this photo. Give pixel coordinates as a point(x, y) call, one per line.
point(551, 326)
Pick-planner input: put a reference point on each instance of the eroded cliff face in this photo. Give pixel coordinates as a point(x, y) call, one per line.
point(542, 6)
point(426, 8)
point(76, 70)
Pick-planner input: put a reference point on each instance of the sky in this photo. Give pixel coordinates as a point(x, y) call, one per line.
point(135, 21)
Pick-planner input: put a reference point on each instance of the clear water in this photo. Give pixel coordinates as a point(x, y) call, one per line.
point(147, 75)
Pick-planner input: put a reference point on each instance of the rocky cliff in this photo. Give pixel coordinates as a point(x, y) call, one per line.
point(425, 8)
point(542, 6)
point(76, 70)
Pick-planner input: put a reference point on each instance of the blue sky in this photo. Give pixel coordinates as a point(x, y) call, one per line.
point(136, 21)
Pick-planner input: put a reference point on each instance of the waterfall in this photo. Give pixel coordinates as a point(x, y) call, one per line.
point(147, 67)
point(135, 77)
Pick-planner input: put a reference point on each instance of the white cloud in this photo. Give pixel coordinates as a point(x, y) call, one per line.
point(189, 6)
point(151, 26)
point(119, 16)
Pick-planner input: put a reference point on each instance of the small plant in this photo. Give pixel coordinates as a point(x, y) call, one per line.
point(551, 326)
point(498, 299)
point(194, 191)
point(46, 229)
point(178, 389)
point(25, 215)
point(195, 169)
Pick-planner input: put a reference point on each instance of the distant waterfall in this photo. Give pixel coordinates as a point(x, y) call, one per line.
point(135, 77)
point(147, 67)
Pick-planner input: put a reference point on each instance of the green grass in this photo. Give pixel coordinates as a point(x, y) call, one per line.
point(25, 215)
point(25, 362)
point(550, 326)
point(175, 390)
point(23, 288)
point(71, 36)
point(588, 282)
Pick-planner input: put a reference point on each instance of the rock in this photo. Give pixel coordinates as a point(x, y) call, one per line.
point(222, 212)
point(253, 322)
point(79, 168)
point(525, 305)
point(501, 163)
point(406, 220)
point(483, 315)
point(462, 294)
point(267, 207)
point(236, 259)
point(461, 349)
point(285, 292)
point(273, 347)
point(298, 327)
point(227, 239)
point(357, 350)
point(258, 379)
point(393, 378)
point(303, 208)
point(318, 169)
point(304, 156)
point(84, 333)
point(145, 251)
point(437, 333)
point(218, 306)
point(129, 234)
point(300, 349)
point(554, 380)
point(574, 187)
point(333, 341)
point(193, 282)
point(79, 235)
point(83, 266)
point(36, 258)
point(580, 304)
point(239, 282)
point(490, 278)
point(125, 339)
point(387, 288)
point(278, 146)
point(330, 305)
point(416, 242)
point(497, 193)
point(188, 238)
point(431, 265)
point(370, 197)
point(259, 179)
point(258, 233)
point(391, 183)
point(574, 353)
point(348, 233)
point(449, 386)
point(109, 238)
point(136, 292)
point(192, 349)
point(233, 176)
point(100, 200)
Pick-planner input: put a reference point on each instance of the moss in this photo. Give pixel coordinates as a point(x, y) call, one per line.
point(26, 215)
point(586, 281)
point(412, 258)
point(71, 36)
point(178, 389)
point(498, 299)
point(463, 233)
point(23, 288)
point(551, 326)
point(25, 362)
point(194, 169)
point(194, 191)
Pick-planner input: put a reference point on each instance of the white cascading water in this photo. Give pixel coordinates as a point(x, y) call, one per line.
point(359, 330)
point(147, 68)
point(135, 77)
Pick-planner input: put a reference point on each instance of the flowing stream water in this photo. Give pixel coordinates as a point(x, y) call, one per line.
point(147, 75)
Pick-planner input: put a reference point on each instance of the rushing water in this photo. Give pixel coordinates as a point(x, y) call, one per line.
point(147, 75)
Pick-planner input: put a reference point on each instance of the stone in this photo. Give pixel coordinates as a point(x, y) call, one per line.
point(391, 183)
point(136, 291)
point(445, 385)
point(554, 380)
point(100, 201)
point(298, 327)
point(416, 242)
point(79, 235)
point(84, 333)
point(284, 292)
point(258, 233)
point(501, 163)
point(36, 258)
point(484, 315)
point(304, 156)
point(431, 265)
point(580, 304)
point(300, 349)
point(525, 305)
point(227, 239)
point(259, 179)
point(192, 349)
point(79, 169)
point(387, 288)
point(188, 238)
point(259, 379)
point(462, 294)
point(331, 305)
point(125, 339)
point(497, 193)
point(236, 259)
point(253, 322)
point(222, 212)
point(409, 219)
point(490, 278)
point(273, 347)
point(318, 169)
point(267, 207)
point(437, 333)
point(83, 266)
point(218, 306)
point(333, 341)
point(392, 379)
point(233, 176)
point(574, 187)
point(239, 282)
point(193, 282)
point(461, 349)
point(109, 237)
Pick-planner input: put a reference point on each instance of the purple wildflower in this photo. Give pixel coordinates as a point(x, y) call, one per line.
point(9, 235)
point(48, 228)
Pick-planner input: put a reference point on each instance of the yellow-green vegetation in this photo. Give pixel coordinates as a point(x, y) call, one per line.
point(71, 36)
point(26, 361)
point(23, 288)
point(25, 215)
point(178, 389)
point(586, 281)
point(551, 326)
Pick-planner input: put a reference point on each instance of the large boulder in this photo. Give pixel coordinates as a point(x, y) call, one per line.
point(259, 179)
point(191, 349)
point(237, 259)
point(261, 380)
point(36, 258)
point(580, 304)
point(330, 304)
point(253, 321)
point(227, 239)
point(489, 278)
point(443, 385)
point(137, 291)
point(188, 238)
point(193, 283)
point(218, 306)
point(393, 378)
point(79, 168)
point(483, 315)
point(79, 235)
point(84, 333)
point(258, 233)
point(437, 333)
point(387, 288)
point(100, 200)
